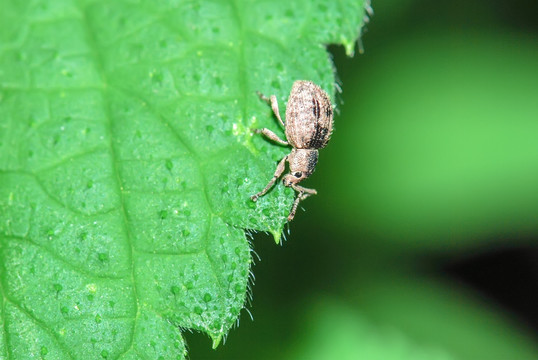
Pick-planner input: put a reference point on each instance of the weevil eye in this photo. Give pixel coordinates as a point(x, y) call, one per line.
point(298, 174)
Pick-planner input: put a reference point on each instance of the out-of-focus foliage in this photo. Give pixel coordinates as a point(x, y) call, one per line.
point(394, 318)
point(437, 141)
point(335, 331)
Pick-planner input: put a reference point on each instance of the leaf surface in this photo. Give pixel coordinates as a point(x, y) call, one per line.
point(127, 162)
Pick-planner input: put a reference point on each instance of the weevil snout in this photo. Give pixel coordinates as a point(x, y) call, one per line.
point(290, 179)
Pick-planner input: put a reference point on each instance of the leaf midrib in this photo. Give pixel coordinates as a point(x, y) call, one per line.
point(100, 68)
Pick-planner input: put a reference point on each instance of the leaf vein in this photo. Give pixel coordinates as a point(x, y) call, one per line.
point(41, 325)
point(65, 262)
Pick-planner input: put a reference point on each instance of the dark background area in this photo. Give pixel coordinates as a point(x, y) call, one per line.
point(508, 276)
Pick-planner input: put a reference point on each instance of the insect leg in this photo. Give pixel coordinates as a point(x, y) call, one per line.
point(294, 207)
point(271, 135)
point(304, 191)
point(274, 105)
point(303, 194)
point(278, 172)
point(263, 97)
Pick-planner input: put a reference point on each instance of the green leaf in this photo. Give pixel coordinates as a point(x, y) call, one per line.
point(127, 162)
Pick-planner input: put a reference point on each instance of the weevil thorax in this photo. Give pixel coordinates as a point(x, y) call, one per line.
point(302, 164)
point(309, 116)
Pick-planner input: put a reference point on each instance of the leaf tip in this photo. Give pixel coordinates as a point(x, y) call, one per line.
point(349, 46)
point(277, 234)
point(216, 340)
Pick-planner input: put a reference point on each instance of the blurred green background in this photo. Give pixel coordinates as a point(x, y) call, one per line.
point(422, 241)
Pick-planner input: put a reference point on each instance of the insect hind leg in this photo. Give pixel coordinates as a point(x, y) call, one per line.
point(271, 135)
point(274, 105)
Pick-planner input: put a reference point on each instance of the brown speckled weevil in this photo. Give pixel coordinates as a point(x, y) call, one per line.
point(309, 124)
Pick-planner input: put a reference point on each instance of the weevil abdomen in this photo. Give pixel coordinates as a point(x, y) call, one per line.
point(309, 116)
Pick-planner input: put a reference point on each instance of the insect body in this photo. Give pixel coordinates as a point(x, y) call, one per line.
point(309, 123)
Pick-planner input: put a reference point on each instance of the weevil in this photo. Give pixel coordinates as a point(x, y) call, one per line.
point(308, 128)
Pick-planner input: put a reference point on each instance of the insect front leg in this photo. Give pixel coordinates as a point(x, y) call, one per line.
point(278, 172)
point(303, 194)
point(270, 135)
point(274, 105)
point(305, 191)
